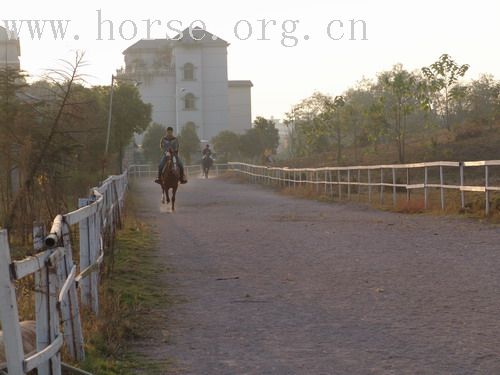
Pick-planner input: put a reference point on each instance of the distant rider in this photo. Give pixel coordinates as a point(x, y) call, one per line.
point(207, 152)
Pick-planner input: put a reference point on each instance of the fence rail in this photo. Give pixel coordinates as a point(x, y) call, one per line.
point(373, 176)
point(148, 170)
point(58, 280)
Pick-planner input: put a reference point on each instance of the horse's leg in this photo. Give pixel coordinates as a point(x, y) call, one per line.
point(174, 190)
point(162, 195)
point(168, 197)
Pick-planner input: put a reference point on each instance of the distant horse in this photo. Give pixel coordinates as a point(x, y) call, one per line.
point(170, 179)
point(206, 163)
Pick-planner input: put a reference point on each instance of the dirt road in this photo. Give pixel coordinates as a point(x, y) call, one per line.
point(276, 285)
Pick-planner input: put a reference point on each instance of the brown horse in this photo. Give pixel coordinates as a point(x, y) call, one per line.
point(206, 163)
point(169, 179)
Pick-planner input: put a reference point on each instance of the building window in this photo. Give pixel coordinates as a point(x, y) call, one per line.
point(189, 102)
point(188, 72)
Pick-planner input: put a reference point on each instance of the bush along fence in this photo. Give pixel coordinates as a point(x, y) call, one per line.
point(61, 286)
point(374, 180)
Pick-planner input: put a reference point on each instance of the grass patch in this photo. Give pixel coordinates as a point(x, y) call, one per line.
point(131, 296)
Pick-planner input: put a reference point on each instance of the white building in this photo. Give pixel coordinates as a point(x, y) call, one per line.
point(10, 50)
point(186, 82)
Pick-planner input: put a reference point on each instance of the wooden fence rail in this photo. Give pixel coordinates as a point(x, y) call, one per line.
point(151, 171)
point(58, 279)
point(377, 177)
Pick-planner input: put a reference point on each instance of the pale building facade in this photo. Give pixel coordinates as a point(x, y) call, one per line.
point(186, 82)
point(10, 50)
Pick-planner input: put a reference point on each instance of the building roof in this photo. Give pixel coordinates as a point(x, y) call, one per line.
point(151, 44)
point(196, 36)
point(199, 35)
point(240, 83)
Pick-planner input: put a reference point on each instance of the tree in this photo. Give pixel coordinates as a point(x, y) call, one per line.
point(318, 119)
point(397, 90)
point(189, 143)
point(11, 83)
point(356, 113)
point(151, 142)
point(484, 100)
point(48, 146)
point(227, 145)
point(267, 133)
point(130, 115)
point(442, 79)
point(249, 144)
point(262, 137)
point(297, 146)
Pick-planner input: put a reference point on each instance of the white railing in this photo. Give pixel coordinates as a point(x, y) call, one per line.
point(151, 171)
point(57, 280)
point(370, 177)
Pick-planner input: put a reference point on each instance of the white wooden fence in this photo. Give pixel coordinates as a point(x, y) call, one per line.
point(335, 180)
point(151, 171)
point(57, 280)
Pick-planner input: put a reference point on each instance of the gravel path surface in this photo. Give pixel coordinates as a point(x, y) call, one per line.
point(276, 285)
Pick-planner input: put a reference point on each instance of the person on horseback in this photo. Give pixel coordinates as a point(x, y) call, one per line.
point(207, 152)
point(169, 141)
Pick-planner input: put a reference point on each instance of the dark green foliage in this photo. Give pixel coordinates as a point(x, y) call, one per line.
point(151, 142)
point(189, 143)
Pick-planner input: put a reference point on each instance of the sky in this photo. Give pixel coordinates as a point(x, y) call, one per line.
point(284, 70)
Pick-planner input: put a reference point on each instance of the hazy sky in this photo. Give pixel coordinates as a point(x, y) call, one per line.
point(414, 33)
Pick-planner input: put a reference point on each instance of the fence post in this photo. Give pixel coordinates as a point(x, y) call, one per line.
point(93, 231)
point(394, 192)
point(326, 181)
point(426, 190)
point(407, 183)
point(9, 314)
point(330, 181)
point(84, 254)
point(462, 193)
point(359, 184)
point(348, 184)
point(441, 179)
point(69, 307)
point(486, 191)
point(340, 185)
point(381, 186)
point(53, 319)
point(41, 300)
point(369, 186)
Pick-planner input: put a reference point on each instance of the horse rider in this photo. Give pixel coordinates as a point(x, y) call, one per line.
point(169, 141)
point(207, 153)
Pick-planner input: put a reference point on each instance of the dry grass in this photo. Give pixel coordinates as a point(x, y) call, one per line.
point(415, 206)
point(128, 299)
